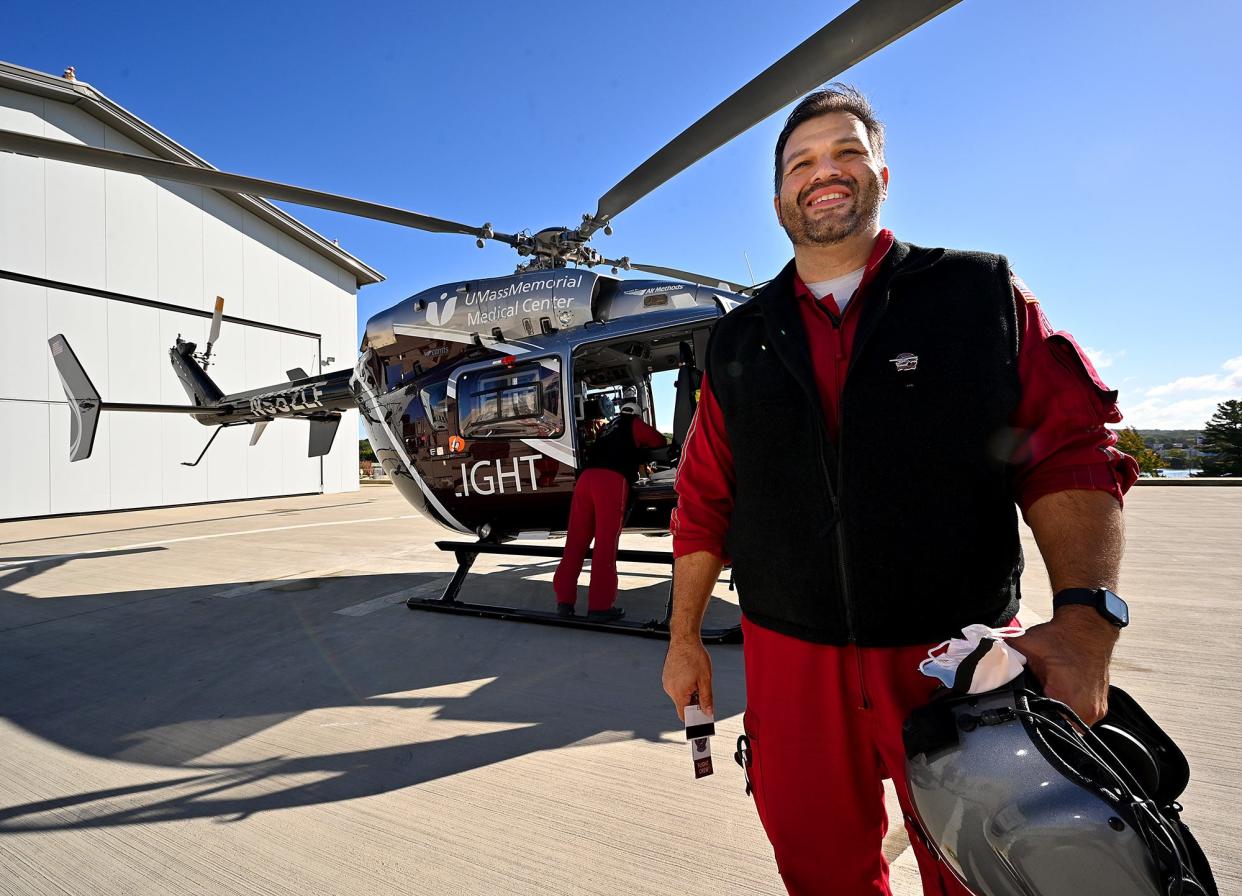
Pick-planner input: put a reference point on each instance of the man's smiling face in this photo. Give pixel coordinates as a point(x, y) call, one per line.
point(832, 184)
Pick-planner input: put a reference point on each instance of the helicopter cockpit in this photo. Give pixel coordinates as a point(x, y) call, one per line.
point(639, 367)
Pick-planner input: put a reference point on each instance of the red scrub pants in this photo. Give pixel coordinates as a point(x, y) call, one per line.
point(824, 725)
point(597, 511)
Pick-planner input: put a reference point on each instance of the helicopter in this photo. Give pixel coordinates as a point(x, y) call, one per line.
point(477, 395)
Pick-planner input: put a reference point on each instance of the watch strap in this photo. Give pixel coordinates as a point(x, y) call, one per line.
point(1099, 598)
point(1089, 597)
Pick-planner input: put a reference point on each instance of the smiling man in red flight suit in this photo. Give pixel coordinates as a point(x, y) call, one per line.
point(866, 425)
point(598, 511)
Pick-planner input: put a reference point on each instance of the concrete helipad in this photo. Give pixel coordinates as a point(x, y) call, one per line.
point(234, 698)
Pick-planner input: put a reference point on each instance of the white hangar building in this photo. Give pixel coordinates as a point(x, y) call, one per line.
point(122, 264)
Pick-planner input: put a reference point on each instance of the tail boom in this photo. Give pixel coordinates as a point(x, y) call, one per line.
point(321, 400)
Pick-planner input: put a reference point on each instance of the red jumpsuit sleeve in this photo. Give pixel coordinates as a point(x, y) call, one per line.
point(1062, 414)
point(705, 481)
point(647, 436)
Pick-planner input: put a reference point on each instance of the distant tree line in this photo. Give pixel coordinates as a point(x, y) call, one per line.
point(1216, 449)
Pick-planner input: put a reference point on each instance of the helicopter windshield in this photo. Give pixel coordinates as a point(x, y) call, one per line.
point(517, 402)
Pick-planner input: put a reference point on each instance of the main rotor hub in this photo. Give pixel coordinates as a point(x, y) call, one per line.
point(556, 247)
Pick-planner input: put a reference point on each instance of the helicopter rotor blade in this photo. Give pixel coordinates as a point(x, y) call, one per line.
point(96, 157)
point(688, 276)
point(863, 29)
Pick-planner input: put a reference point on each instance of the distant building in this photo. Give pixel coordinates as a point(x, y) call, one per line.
point(121, 265)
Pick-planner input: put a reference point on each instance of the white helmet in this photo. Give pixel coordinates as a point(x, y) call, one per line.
point(630, 407)
point(1019, 798)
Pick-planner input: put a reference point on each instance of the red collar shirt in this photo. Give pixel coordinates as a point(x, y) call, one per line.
point(1063, 410)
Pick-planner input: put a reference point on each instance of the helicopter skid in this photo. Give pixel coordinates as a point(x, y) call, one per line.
point(648, 629)
point(467, 552)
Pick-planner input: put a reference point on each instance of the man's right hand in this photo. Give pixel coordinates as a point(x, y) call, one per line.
point(687, 669)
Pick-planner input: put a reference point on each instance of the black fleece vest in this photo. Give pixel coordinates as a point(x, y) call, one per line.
point(616, 449)
point(906, 529)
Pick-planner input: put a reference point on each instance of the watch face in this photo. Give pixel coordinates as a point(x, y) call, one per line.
point(1116, 607)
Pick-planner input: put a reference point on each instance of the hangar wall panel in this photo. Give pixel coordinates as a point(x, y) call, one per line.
point(65, 122)
point(227, 461)
point(223, 271)
point(22, 218)
point(130, 227)
point(22, 112)
point(181, 437)
point(86, 485)
point(264, 460)
point(133, 369)
point(23, 343)
point(174, 244)
point(133, 375)
point(136, 453)
point(25, 458)
point(74, 224)
point(345, 338)
point(83, 320)
point(180, 256)
point(259, 271)
point(131, 242)
point(293, 285)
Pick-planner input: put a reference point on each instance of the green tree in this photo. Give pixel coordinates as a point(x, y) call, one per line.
point(1176, 458)
point(1223, 438)
point(1129, 441)
point(364, 450)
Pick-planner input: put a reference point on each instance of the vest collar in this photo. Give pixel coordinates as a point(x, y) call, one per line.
point(777, 302)
point(778, 305)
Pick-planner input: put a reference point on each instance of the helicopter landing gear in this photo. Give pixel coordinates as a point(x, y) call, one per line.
point(468, 552)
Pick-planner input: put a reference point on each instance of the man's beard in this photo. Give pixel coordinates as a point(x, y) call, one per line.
point(862, 212)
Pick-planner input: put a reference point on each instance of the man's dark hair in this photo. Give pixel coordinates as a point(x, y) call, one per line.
point(833, 98)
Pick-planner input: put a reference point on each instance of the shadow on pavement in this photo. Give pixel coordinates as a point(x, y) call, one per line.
point(183, 673)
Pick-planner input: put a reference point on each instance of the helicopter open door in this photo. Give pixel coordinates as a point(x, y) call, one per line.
point(610, 370)
point(685, 401)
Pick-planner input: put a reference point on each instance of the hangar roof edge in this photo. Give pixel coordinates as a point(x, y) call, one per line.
point(117, 117)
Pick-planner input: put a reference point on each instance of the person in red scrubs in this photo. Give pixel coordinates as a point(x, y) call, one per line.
point(598, 512)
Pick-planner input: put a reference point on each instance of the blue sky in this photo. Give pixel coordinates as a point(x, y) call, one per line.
point(1096, 144)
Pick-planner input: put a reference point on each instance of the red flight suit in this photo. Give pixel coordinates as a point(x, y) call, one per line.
point(598, 511)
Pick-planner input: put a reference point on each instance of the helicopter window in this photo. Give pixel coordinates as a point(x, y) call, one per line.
point(522, 402)
point(435, 404)
point(401, 362)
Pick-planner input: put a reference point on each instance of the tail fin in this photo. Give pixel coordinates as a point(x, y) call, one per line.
point(198, 386)
point(322, 432)
point(84, 401)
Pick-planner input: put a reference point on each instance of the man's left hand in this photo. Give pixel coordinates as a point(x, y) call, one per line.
point(1069, 655)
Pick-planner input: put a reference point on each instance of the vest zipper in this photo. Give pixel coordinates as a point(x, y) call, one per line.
point(844, 569)
point(839, 535)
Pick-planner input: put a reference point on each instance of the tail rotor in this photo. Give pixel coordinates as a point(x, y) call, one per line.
point(213, 334)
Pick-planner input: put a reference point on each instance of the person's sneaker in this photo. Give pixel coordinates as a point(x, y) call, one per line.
point(564, 610)
point(612, 614)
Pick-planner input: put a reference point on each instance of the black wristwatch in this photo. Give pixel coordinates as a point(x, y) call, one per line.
point(1106, 603)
